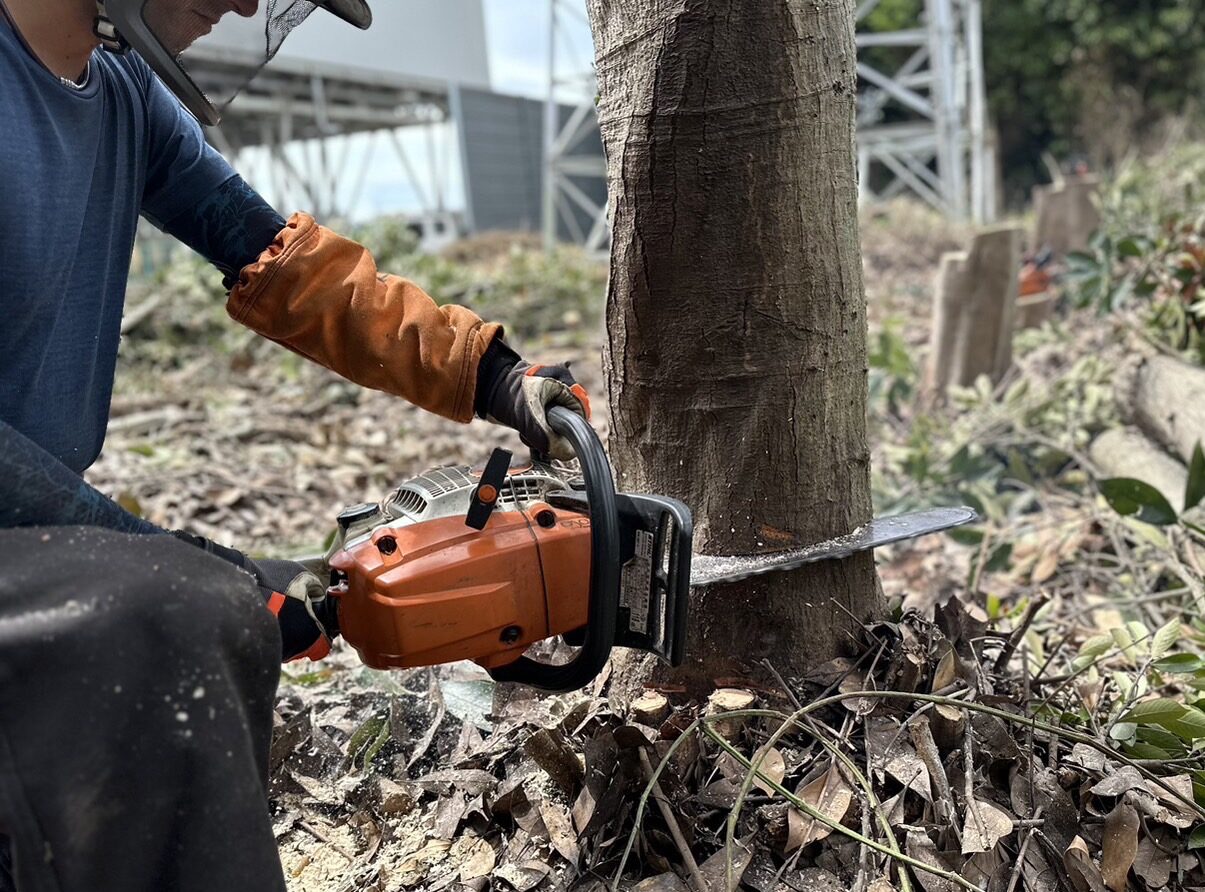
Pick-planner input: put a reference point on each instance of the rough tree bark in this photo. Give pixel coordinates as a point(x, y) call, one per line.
point(736, 357)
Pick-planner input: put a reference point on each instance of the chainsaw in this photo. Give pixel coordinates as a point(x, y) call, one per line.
point(464, 564)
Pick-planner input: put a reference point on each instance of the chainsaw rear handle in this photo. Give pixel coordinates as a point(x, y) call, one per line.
point(604, 568)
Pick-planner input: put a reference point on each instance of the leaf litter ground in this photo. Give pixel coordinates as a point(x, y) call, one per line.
point(998, 732)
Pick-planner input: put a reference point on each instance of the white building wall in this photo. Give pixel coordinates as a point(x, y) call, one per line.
point(438, 39)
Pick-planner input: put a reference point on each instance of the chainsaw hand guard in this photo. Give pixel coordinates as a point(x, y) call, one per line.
point(604, 568)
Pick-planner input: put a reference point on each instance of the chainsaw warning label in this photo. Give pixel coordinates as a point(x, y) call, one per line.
point(635, 581)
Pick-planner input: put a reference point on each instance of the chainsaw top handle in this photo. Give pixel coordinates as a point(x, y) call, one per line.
point(604, 568)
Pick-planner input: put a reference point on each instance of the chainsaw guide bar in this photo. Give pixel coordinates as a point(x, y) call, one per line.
point(707, 569)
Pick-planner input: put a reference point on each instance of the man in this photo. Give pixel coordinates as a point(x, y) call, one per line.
point(138, 669)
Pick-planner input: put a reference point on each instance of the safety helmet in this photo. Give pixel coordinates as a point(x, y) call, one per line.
point(161, 31)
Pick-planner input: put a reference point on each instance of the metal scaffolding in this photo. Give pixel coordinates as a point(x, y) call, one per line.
point(575, 170)
point(922, 122)
point(300, 121)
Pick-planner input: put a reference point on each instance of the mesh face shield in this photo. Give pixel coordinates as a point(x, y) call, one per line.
point(206, 51)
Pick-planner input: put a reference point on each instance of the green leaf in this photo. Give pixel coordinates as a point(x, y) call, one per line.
point(1124, 637)
point(1092, 650)
point(966, 535)
point(1155, 712)
point(1147, 751)
point(1161, 738)
point(1123, 731)
point(1129, 247)
point(1179, 664)
point(1195, 490)
point(1130, 497)
point(1196, 839)
point(1165, 639)
point(998, 560)
point(1189, 726)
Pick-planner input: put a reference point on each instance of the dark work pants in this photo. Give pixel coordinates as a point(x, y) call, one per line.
point(137, 678)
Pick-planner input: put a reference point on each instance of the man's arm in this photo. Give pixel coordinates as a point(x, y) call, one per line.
point(230, 227)
point(320, 295)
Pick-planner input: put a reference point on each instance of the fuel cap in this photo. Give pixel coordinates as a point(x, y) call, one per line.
point(357, 513)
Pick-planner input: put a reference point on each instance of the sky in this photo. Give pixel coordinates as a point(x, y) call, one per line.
point(517, 36)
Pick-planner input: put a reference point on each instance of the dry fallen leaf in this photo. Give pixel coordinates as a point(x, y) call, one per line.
point(1047, 565)
point(666, 882)
point(852, 683)
point(947, 671)
point(829, 795)
point(1120, 845)
point(907, 768)
point(1152, 864)
point(715, 868)
point(524, 875)
point(772, 766)
point(986, 824)
point(560, 831)
point(918, 845)
point(1082, 870)
point(478, 861)
point(982, 867)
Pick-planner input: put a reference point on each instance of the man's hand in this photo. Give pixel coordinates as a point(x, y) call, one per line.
point(518, 394)
point(307, 617)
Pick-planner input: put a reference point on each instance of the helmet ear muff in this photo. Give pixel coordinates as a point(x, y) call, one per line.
point(106, 32)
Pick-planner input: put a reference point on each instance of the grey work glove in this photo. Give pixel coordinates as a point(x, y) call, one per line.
point(307, 617)
point(518, 395)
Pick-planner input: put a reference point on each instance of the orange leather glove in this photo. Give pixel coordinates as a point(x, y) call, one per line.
point(320, 295)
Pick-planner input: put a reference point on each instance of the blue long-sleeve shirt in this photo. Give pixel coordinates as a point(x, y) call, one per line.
point(77, 168)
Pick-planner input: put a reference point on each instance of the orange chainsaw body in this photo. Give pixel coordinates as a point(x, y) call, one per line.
point(438, 591)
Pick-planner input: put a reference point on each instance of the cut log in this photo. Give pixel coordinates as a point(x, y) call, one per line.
point(1166, 399)
point(948, 724)
point(650, 708)
point(975, 312)
point(1066, 215)
point(1128, 452)
point(726, 700)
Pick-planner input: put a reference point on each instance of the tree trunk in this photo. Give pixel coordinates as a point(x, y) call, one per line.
point(736, 315)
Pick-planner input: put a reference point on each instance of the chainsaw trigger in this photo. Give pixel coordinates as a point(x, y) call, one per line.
point(485, 497)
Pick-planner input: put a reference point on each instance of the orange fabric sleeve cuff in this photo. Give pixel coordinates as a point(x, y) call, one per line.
point(320, 295)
